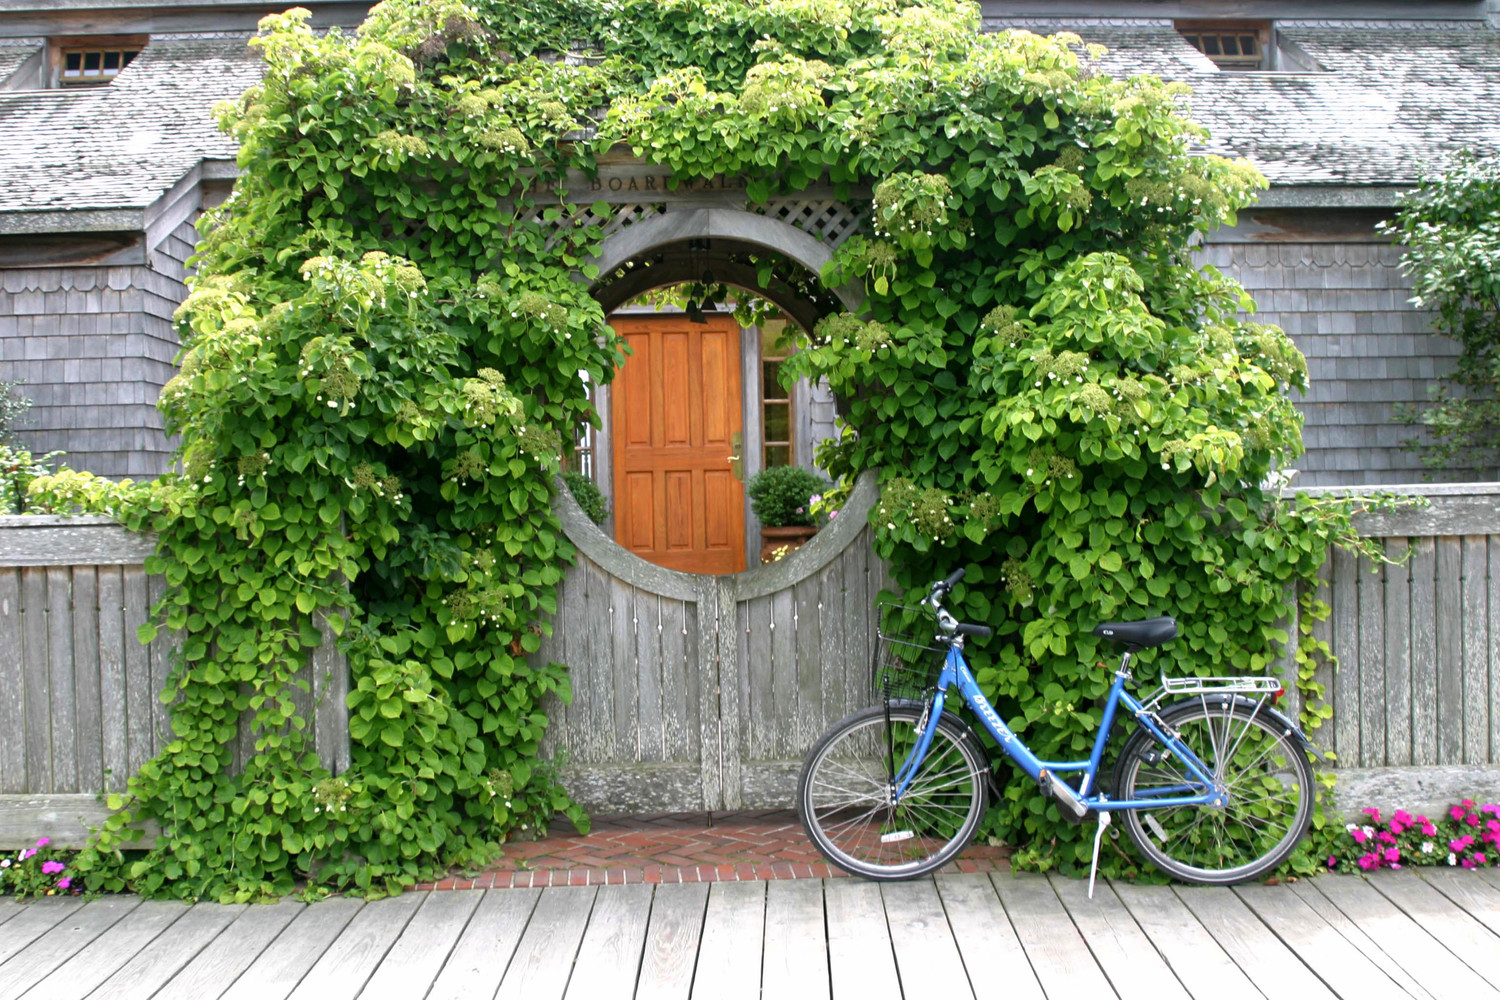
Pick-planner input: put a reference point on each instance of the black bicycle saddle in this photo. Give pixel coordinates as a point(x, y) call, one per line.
point(1142, 634)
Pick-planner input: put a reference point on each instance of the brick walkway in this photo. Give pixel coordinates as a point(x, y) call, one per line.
point(678, 847)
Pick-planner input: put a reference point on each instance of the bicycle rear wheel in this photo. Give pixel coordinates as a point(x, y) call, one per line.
point(843, 795)
point(1259, 763)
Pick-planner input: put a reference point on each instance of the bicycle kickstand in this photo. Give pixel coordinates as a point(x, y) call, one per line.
point(1098, 839)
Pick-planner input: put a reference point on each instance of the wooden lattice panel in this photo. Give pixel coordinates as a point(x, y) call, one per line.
point(831, 221)
point(616, 219)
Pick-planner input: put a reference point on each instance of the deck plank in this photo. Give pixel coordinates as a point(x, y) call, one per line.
point(1404, 940)
point(1345, 968)
point(671, 951)
point(733, 935)
point(414, 961)
point(281, 966)
point(795, 958)
point(478, 961)
point(216, 968)
point(861, 964)
point(32, 921)
point(1269, 964)
point(1474, 944)
point(1057, 952)
point(927, 957)
point(544, 958)
point(107, 953)
point(153, 966)
point(346, 965)
point(610, 953)
point(992, 954)
point(1473, 895)
point(68, 937)
point(1203, 968)
point(1351, 931)
point(1119, 945)
point(9, 905)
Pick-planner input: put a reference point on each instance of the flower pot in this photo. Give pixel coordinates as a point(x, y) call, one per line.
point(793, 536)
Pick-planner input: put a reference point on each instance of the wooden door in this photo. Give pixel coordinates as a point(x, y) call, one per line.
point(675, 408)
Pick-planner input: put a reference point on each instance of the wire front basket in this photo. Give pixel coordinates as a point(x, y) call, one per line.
point(908, 659)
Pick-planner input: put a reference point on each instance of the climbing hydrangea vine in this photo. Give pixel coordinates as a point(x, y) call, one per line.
point(382, 359)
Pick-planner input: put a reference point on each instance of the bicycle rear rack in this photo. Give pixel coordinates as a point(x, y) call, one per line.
point(1176, 686)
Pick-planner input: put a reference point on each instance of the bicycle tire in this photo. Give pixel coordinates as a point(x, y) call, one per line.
point(1262, 766)
point(842, 796)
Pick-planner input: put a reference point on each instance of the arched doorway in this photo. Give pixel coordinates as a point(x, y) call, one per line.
point(698, 409)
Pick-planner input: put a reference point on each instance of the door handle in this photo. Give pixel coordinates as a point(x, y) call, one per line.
point(736, 461)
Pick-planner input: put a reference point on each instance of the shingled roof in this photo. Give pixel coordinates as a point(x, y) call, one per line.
point(1392, 96)
point(122, 145)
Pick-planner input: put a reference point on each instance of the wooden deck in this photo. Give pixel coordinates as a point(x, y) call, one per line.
point(1017, 937)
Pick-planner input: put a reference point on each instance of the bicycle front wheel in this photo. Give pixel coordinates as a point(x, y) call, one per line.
point(1254, 758)
point(844, 795)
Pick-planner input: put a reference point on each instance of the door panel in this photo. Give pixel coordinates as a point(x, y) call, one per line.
point(676, 403)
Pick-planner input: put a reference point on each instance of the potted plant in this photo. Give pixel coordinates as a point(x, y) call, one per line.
point(782, 498)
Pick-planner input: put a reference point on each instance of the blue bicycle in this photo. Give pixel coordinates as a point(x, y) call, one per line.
point(1215, 788)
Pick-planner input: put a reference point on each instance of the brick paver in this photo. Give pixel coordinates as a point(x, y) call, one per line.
point(677, 847)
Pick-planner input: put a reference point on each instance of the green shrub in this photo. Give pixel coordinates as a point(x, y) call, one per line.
point(18, 468)
point(781, 496)
point(381, 358)
point(588, 496)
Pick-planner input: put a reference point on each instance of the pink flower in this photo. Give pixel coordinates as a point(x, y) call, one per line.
point(1392, 855)
point(1385, 837)
point(53, 867)
point(64, 883)
point(1456, 812)
point(44, 841)
point(1472, 819)
point(1333, 862)
point(1468, 802)
point(1397, 827)
point(1369, 861)
point(832, 514)
point(1479, 859)
point(1468, 863)
point(1459, 843)
point(1358, 835)
point(26, 852)
point(799, 510)
point(1429, 829)
point(815, 498)
point(1402, 816)
point(1374, 814)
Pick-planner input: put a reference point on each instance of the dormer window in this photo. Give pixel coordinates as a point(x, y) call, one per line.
point(94, 65)
point(1234, 46)
point(84, 62)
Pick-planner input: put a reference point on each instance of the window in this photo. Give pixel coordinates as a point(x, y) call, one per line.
point(776, 402)
point(83, 62)
point(580, 457)
point(1232, 46)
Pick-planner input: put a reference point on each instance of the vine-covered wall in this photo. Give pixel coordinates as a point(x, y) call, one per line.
point(382, 358)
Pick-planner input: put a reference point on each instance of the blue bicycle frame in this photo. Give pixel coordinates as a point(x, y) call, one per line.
point(956, 672)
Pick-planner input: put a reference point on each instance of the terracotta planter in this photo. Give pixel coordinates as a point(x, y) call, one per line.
point(774, 538)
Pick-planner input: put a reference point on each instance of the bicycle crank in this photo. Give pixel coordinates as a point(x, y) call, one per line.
point(1062, 792)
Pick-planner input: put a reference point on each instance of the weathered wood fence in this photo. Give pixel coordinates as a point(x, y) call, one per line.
point(1416, 698)
point(699, 692)
point(80, 705)
point(696, 692)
